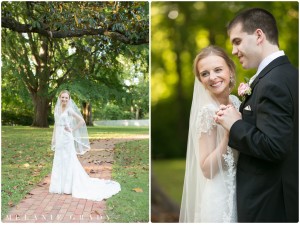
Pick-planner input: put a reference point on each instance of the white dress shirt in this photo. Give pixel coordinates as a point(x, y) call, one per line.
point(265, 62)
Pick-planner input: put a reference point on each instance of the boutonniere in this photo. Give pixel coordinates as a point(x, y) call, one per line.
point(244, 89)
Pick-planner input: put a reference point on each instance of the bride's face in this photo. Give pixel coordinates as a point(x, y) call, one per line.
point(214, 75)
point(64, 99)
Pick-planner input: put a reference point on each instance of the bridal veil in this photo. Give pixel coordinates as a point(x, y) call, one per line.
point(76, 123)
point(201, 193)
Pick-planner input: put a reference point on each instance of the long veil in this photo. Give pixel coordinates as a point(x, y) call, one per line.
point(201, 123)
point(76, 123)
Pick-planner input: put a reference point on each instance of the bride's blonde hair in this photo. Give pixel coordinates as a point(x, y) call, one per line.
point(64, 91)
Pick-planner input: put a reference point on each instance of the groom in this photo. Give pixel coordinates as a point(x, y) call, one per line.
point(266, 131)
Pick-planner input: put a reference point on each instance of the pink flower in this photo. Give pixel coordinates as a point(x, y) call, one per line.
point(244, 89)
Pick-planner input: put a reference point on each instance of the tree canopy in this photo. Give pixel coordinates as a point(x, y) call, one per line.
point(49, 46)
point(123, 21)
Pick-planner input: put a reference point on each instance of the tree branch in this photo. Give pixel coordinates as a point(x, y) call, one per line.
point(10, 23)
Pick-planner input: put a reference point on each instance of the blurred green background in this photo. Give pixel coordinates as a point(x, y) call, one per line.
point(179, 30)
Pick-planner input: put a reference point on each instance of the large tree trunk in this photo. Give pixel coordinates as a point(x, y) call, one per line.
point(137, 113)
point(39, 84)
point(87, 113)
point(41, 106)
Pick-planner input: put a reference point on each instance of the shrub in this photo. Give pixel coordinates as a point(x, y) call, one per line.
point(14, 118)
point(19, 118)
point(112, 112)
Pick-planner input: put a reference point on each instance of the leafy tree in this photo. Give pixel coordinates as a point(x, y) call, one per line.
point(13, 95)
point(61, 44)
point(136, 77)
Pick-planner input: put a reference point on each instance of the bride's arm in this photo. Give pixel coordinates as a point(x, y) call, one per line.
point(210, 153)
point(79, 118)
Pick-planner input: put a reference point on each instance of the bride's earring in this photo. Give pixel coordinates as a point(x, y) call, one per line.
point(231, 82)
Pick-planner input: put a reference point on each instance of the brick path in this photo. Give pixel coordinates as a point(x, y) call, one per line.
point(41, 206)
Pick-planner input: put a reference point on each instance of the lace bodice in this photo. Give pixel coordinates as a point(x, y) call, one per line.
point(205, 124)
point(63, 119)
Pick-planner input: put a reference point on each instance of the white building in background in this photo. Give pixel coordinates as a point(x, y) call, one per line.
point(129, 123)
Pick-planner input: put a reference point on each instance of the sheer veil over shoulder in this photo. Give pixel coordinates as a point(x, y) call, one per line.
point(210, 198)
point(73, 120)
point(70, 138)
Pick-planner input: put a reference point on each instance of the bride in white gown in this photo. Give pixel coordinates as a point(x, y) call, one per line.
point(209, 193)
point(70, 138)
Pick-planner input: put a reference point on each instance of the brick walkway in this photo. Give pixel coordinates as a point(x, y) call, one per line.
point(40, 206)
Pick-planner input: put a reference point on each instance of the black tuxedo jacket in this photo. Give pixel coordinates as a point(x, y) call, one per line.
point(267, 139)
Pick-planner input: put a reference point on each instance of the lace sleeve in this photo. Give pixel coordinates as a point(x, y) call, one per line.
point(205, 120)
point(235, 101)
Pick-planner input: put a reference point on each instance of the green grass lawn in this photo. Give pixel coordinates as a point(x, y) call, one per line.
point(115, 132)
point(170, 175)
point(27, 157)
point(131, 170)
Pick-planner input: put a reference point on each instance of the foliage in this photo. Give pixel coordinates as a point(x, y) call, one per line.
point(14, 94)
point(84, 61)
point(137, 86)
point(132, 171)
point(140, 98)
point(112, 112)
point(12, 118)
point(19, 117)
point(124, 21)
point(178, 31)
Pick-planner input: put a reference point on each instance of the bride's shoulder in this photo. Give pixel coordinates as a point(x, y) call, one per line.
point(70, 111)
point(207, 111)
point(233, 97)
point(205, 119)
point(209, 107)
point(235, 100)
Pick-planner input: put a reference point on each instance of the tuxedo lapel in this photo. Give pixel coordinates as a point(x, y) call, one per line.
point(278, 61)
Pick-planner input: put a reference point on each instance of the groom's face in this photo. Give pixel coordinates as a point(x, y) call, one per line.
point(245, 47)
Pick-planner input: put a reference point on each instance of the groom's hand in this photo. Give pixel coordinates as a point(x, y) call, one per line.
point(227, 116)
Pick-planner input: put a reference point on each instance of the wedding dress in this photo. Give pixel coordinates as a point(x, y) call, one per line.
point(208, 199)
point(68, 176)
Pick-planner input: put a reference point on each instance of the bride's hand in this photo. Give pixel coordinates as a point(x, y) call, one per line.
point(68, 129)
point(227, 116)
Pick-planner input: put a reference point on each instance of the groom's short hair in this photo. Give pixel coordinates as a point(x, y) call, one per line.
point(257, 18)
